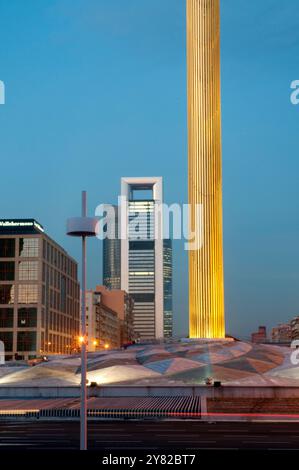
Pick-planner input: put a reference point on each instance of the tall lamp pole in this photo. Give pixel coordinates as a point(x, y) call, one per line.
point(83, 227)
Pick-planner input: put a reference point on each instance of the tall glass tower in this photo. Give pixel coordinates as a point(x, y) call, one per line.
point(111, 258)
point(206, 290)
point(139, 262)
point(146, 268)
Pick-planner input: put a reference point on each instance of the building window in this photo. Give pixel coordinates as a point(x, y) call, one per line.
point(6, 294)
point(7, 248)
point(7, 338)
point(28, 294)
point(28, 270)
point(6, 317)
point(63, 294)
point(28, 247)
point(144, 297)
point(27, 317)
point(43, 295)
point(7, 271)
point(26, 341)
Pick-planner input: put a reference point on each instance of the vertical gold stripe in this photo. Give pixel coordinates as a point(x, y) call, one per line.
point(206, 290)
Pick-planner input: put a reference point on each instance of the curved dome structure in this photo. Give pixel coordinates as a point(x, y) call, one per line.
point(184, 362)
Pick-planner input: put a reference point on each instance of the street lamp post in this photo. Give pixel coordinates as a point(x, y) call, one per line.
point(83, 227)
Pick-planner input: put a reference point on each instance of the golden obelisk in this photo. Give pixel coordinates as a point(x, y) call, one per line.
point(206, 290)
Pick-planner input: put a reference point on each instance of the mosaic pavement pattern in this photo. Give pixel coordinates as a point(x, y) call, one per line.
point(183, 362)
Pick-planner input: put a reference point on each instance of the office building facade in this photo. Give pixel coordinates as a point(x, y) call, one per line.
point(259, 336)
point(282, 333)
point(294, 324)
point(123, 304)
point(142, 260)
point(103, 325)
point(39, 292)
point(111, 256)
point(139, 264)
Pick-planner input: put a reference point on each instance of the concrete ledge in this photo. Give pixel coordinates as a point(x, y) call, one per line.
point(151, 391)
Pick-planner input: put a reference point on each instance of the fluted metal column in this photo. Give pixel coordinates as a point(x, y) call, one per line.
point(206, 291)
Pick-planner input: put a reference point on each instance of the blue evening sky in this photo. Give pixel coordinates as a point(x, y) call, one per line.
point(96, 90)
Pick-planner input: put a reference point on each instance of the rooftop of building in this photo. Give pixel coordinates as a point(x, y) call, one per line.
point(182, 362)
point(19, 227)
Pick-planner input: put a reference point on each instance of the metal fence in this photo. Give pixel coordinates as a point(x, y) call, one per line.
point(143, 407)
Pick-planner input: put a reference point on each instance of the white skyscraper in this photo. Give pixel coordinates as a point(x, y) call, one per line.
point(142, 253)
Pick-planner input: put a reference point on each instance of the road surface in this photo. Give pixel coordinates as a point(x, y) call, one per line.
point(15, 435)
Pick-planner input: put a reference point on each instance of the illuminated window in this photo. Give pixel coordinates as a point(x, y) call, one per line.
point(27, 317)
point(28, 247)
point(28, 270)
point(28, 294)
point(7, 294)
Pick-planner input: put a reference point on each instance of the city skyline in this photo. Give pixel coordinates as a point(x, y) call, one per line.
point(73, 111)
